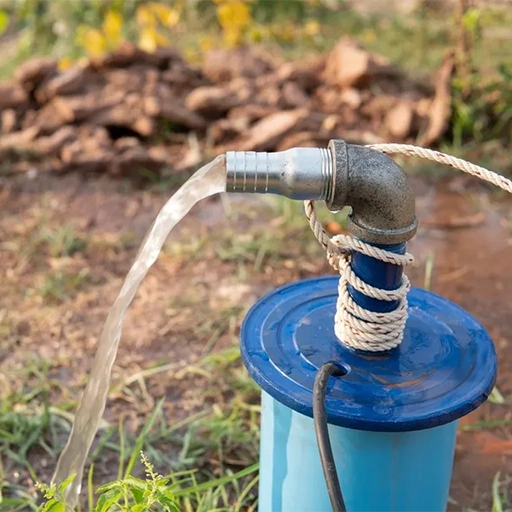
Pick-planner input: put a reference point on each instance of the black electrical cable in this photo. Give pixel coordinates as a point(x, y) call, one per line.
point(322, 434)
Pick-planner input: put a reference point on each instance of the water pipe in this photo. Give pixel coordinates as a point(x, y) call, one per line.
point(392, 415)
point(370, 182)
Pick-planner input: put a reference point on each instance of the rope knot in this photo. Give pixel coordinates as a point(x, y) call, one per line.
point(355, 326)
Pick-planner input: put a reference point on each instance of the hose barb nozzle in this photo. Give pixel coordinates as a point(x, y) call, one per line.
point(298, 173)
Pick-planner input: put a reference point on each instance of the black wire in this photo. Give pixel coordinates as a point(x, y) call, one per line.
point(322, 435)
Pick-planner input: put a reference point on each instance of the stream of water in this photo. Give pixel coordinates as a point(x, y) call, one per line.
point(209, 180)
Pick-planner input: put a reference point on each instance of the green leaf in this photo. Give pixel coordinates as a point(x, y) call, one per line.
point(66, 483)
point(4, 21)
point(471, 19)
point(90, 487)
point(162, 482)
point(166, 499)
point(168, 502)
point(108, 499)
point(116, 484)
point(138, 494)
point(505, 71)
point(216, 482)
point(53, 505)
point(135, 483)
point(497, 505)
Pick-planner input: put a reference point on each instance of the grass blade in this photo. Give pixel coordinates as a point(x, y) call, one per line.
point(142, 436)
point(217, 482)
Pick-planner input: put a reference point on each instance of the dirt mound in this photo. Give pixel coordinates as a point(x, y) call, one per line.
point(133, 110)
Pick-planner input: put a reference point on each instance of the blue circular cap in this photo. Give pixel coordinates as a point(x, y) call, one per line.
point(444, 368)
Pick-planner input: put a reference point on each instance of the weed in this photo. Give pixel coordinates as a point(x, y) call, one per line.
point(60, 285)
point(25, 414)
point(500, 498)
point(62, 241)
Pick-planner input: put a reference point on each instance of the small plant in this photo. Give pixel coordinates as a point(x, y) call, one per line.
point(485, 113)
point(54, 496)
point(26, 418)
point(63, 242)
point(500, 498)
point(132, 494)
point(128, 494)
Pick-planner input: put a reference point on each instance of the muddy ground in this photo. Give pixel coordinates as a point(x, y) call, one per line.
point(66, 243)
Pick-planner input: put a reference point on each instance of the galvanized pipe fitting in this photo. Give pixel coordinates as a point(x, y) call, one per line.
point(377, 189)
point(372, 184)
point(298, 173)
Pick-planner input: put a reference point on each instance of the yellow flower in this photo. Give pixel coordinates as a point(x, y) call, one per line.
point(147, 39)
point(145, 16)
point(112, 27)
point(312, 28)
point(232, 36)
point(94, 42)
point(4, 21)
point(65, 63)
point(150, 39)
point(234, 17)
point(167, 15)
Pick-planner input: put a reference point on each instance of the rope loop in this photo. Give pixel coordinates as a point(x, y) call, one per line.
point(354, 325)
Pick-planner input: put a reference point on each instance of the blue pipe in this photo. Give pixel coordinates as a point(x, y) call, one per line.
point(378, 274)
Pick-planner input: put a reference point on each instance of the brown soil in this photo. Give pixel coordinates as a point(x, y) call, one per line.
point(464, 227)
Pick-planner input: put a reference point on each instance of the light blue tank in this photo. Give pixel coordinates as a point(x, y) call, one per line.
point(379, 471)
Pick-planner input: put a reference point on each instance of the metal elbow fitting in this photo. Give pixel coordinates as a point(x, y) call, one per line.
point(372, 184)
point(378, 191)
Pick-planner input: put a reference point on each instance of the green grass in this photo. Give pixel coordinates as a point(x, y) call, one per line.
point(500, 495)
point(225, 432)
point(59, 285)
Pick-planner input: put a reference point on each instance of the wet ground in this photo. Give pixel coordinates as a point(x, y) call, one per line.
point(213, 267)
point(466, 234)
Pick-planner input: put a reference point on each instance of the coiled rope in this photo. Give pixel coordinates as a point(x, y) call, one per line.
point(355, 326)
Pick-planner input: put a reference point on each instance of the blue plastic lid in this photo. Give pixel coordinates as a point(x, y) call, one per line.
point(444, 368)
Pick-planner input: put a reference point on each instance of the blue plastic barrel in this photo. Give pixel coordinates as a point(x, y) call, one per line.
point(393, 416)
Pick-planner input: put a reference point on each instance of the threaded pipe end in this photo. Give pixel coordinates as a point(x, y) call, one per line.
point(327, 171)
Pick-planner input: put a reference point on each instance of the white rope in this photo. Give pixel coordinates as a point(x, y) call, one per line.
point(355, 326)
